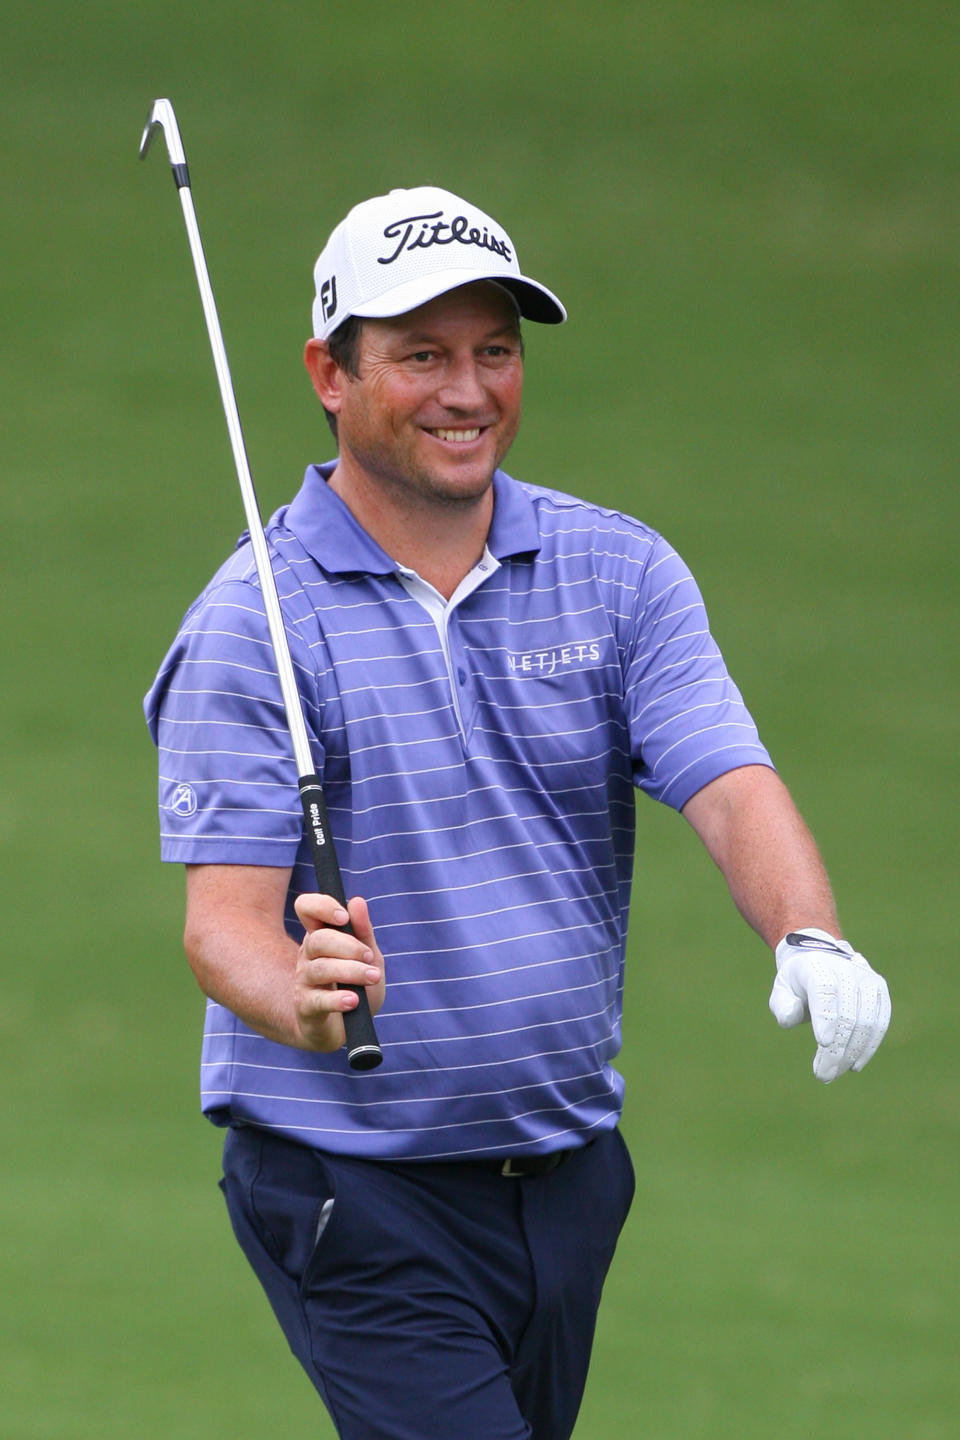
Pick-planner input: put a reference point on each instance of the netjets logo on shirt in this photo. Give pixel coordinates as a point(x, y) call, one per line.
point(548, 662)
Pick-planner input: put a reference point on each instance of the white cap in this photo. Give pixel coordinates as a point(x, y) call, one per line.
point(398, 251)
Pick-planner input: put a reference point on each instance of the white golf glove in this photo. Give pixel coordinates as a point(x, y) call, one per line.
point(847, 1003)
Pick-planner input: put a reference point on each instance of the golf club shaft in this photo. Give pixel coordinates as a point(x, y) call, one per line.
point(363, 1049)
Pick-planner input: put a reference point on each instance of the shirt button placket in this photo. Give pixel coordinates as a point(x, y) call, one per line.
point(461, 677)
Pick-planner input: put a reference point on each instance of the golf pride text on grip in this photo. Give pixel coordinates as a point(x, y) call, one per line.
point(363, 1049)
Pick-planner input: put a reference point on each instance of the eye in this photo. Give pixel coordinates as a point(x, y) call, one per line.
point(498, 352)
point(422, 357)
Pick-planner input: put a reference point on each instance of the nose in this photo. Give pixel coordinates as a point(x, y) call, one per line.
point(462, 387)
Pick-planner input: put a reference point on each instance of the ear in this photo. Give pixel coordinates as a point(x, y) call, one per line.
point(325, 373)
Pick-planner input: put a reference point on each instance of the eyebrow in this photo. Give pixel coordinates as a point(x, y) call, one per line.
point(426, 337)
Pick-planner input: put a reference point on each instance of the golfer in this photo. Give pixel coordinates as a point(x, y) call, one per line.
point(490, 671)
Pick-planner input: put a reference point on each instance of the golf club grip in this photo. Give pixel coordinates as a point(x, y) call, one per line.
point(363, 1048)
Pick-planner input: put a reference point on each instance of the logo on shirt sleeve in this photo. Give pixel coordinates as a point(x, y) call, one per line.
point(184, 801)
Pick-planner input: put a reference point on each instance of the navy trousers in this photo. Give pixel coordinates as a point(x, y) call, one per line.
point(432, 1301)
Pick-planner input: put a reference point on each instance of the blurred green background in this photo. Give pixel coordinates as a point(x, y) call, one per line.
point(751, 212)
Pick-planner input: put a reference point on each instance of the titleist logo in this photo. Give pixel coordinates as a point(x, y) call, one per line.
point(434, 230)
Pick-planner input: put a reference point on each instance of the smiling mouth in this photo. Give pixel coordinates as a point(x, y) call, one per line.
point(457, 437)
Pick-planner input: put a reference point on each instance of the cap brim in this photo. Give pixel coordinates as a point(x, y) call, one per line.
point(534, 301)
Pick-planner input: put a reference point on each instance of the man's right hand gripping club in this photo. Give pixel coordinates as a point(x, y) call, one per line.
point(329, 957)
point(826, 981)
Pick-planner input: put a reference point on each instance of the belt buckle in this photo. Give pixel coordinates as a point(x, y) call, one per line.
point(523, 1167)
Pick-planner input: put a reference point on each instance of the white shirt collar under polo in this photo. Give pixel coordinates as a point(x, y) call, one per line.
point(440, 609)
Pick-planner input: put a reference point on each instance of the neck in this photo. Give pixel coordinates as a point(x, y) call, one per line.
point(442, 540)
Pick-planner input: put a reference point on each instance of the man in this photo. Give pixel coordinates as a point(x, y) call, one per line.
point(489, 670)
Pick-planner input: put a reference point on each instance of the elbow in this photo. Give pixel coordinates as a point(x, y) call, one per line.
point(195, 949)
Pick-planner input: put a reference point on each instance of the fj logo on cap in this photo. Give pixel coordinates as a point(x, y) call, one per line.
point(328, 297)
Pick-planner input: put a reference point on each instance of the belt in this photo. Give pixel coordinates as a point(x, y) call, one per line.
point(522, 1167)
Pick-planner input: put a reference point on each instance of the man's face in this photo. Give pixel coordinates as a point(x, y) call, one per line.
point(436, 404)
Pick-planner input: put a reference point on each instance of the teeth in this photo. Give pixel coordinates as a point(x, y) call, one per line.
point(459, 437)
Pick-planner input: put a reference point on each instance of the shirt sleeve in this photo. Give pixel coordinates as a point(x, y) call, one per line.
point(688, 722)
point(228, 781)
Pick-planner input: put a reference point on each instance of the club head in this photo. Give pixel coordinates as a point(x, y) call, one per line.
point(161, 116)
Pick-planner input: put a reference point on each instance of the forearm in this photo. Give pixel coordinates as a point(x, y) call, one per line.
point(252, 976)
point(245, 961)
point(769, 859)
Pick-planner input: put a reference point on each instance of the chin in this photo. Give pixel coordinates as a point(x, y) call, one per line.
point(468, 479)
point(453, 490)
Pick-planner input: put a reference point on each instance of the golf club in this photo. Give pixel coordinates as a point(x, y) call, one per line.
point(363, 1049)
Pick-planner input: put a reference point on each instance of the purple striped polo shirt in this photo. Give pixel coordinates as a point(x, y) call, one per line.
point(479, 759)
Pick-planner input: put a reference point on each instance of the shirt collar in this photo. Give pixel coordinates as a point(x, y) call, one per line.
point(329, 532)
point(514, 530)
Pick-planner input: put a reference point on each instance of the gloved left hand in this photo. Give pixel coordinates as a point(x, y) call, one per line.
point(847, 1002)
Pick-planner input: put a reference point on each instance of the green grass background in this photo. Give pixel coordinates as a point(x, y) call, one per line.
point(751, 211)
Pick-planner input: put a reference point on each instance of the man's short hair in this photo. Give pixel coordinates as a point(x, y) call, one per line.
point(344, 348)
